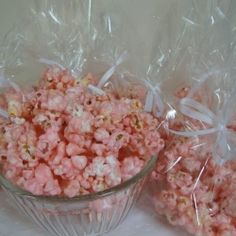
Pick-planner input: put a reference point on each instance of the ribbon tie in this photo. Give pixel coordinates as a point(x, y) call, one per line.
point(98, 89)
point(226, 138)
point(218, 124)
point(50, 62)
point(153, 102)
point(111, 71)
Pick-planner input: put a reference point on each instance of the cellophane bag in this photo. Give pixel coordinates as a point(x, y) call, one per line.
point(194, 183)
point(60, 49)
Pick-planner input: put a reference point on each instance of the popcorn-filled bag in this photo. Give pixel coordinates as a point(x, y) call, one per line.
point(194, 182)
point(77, 143)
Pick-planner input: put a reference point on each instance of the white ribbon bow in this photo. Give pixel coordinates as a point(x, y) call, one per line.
point(98, 89)
point(111, 71)
point(217, 123)
point(50, 62)
point(153, 102)
point(226, 138)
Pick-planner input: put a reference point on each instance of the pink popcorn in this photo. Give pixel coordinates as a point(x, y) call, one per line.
point(101, 135)
point(11, 172)
point(46, 143)
point(153, 142)
point(28, 174)
point(14, 108)
point(48, 119)
point(106, 108)
point(85, 183)
point(67, 167)
point(33, 186)
point(112, 161)
point(99, 185)
point(13, 132)
point(72, 188)
point(74, 94)
point(55, 78)
point(180, 178)
point(55, 101)
point(228, 205)
point(43, 174)
point(73, 149)
point(98, 149)
point(13, 157)
point(64, 139)
point(169, 198)
point(81, 124)
point(131, 166)
point(60, 154)
point(79, 162)
point(99, 167)
point(89, 103)
point(120, 110)
point(149, 121)
point(183, 203)
point(114, 177)
point(190, 165)
point(118, 139)
point(196, 193)
point(74, 138)
point(52, 188)
point(77, 110)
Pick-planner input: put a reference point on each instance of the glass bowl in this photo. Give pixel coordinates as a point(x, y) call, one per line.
point(92, 214)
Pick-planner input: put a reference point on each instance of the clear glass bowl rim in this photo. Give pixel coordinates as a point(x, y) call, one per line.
point(87, 197)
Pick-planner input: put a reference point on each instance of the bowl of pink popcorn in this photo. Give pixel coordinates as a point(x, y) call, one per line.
point(74, 157)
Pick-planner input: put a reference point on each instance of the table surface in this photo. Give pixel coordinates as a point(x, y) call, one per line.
point(141, 221)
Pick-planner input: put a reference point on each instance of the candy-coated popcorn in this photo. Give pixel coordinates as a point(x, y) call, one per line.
point(46, 143)
point(80, 124)
point(60, 154)
point(33, 186)
point(196, 193)
point(112, 161)
point(43, 174)
point(52, 188)
point(117, 140)
point(98, 167)
point(113, 178)
point(73, 149)
point(64, 139)
point(102, 135)
point(79, 162)
point(14, 108)
point(54, 101)
point(72, 189)
point(98, 149)
point(131, 166)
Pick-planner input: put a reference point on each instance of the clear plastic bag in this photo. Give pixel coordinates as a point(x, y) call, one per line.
point(194, 183)
point(38, 156)
point(62, 42)
point(64, 33)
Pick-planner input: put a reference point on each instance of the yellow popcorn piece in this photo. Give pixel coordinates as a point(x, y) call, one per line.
point(14, 108)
